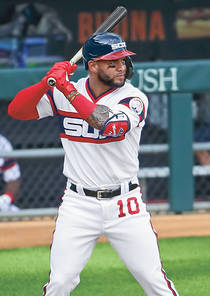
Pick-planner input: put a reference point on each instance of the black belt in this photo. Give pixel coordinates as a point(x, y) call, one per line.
point(105, 193)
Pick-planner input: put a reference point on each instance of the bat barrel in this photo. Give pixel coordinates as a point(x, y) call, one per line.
point(114, 18)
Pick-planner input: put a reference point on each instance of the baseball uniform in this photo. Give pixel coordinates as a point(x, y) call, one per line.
point(95, 162)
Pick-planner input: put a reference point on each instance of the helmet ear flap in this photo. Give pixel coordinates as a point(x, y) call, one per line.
point(129, 67)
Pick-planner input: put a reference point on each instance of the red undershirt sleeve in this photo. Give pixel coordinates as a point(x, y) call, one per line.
point(83, 106)
point(23, 106)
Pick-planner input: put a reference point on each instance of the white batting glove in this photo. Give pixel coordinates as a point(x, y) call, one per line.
point(5, 202)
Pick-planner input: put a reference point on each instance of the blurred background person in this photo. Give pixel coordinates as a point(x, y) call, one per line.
point(201, 116)
point(158, 115)
point(30, 34)
point(32, 19)
point(11, 177)
point(202, 126)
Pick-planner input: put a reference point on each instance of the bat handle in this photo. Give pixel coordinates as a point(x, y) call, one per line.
point(51, 81)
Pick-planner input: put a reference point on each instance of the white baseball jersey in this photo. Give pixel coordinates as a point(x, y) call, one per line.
point(9, 168)
point(93, 160)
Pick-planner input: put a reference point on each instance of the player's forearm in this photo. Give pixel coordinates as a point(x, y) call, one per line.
point(94, 114)
point(99, 116)
point(13, 187)
point(23, 106)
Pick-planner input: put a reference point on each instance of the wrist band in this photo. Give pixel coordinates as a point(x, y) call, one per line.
point(11, 196)
point(74, 96)
point(83, 106)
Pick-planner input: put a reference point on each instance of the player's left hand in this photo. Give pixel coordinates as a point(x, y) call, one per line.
point(60, 72)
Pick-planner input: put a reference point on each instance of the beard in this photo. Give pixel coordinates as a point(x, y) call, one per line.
point(109, 81)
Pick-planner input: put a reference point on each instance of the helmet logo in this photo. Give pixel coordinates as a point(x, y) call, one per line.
point(118, 45)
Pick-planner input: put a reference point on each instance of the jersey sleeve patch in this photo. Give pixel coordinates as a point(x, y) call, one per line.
point(116, 126)
point(136, 105)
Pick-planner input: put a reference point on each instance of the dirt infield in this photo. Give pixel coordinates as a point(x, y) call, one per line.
point(39, 232)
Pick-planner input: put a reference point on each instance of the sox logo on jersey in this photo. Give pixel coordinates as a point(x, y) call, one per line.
point(78, 127)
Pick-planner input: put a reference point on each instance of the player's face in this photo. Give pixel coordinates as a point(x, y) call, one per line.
point(112, 73)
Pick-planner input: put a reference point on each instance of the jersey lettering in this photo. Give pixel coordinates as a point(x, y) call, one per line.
point(88, 131)
point(77, 127)
point(72, 126)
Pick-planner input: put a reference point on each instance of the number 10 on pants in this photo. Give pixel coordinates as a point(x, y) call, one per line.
point(132, 206)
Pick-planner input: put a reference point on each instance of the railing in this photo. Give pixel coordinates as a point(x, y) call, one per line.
point(58, 152)
point(145, 172)
point(150, 172)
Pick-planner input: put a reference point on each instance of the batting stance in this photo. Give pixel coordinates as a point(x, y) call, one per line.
point(101, 119)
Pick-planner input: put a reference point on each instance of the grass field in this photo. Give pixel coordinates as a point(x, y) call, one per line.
point(23, 272)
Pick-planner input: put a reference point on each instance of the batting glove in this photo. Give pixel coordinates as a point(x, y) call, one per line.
point(60, 72)
point(5, 202)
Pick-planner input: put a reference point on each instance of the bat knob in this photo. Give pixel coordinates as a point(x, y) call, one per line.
point(51, 82)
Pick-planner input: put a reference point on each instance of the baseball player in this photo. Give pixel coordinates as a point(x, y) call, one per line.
point(10, 171)
point(101, 119)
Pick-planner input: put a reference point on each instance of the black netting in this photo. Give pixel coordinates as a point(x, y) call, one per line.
point(42, 179)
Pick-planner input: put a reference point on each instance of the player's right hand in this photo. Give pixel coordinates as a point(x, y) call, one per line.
point(5, 203)
point(60, 72)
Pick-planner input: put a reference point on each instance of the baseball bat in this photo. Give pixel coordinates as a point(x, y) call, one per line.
point(111, 22)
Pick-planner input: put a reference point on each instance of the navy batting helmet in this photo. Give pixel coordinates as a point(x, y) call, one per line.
point(105, 46)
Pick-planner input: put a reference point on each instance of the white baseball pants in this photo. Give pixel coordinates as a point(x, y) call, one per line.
point(127, 226)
